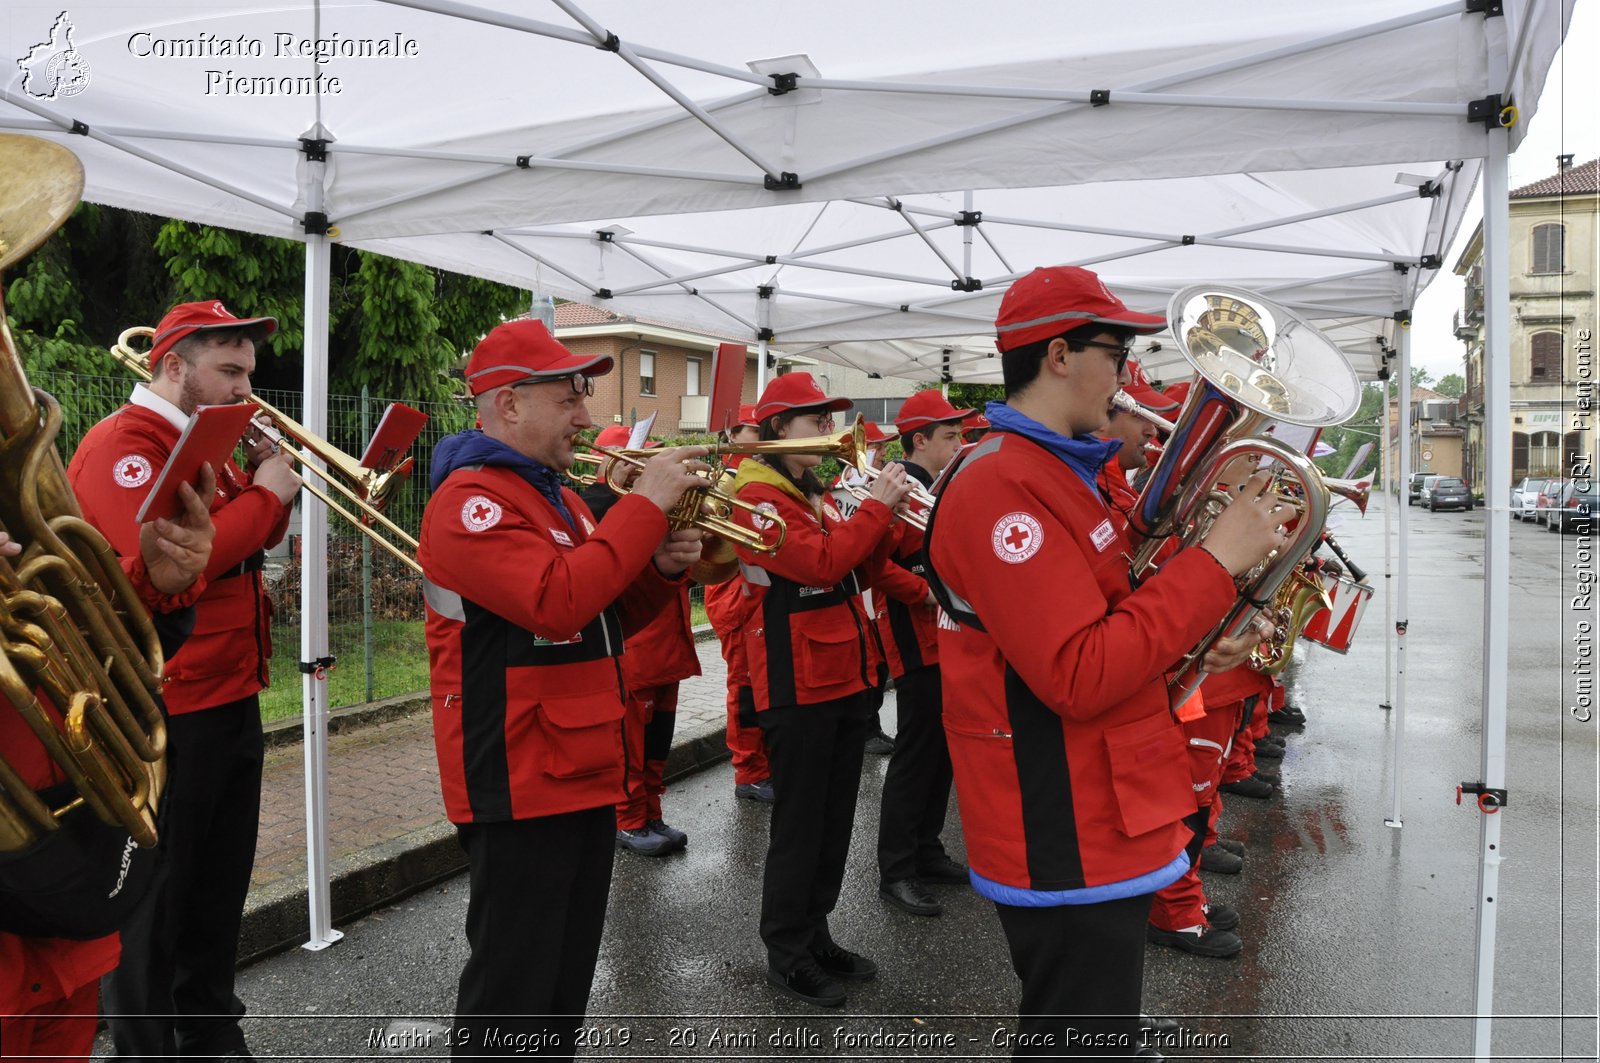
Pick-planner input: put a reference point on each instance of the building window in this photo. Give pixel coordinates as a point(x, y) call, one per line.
point(1544, 454)
point(691, 381)
point(1519, 457)
point(1545, 357)
point(647, 372)
point(1549, 248)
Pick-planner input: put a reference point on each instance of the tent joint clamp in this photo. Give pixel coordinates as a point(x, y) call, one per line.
point(320, 667)
point(315, 223)
point(316, 150)
point(969, 217)
point(1486, 8)
point(78, 128)
point(782, 183)
point(1493, 111)
point(612, 43)
point(783, 83)
point(967, 284)
point(1099, 97)
point(1491, 799)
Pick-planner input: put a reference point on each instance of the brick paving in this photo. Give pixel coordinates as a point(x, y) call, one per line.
point(383, 780)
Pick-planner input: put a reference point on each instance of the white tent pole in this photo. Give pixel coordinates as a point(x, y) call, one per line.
point(1389, 481)
point(314, 581)
point(1401, 606)
point(1497, 556)
point(966, 240)
point(763, 330)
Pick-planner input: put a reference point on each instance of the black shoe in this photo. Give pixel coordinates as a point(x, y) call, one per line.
point(881, 744)
point(1220, 916)
point(808, 982)
point(943, 871)
point(1231, 846)
point(1270, 750)
point(1289, 716)
point(1248, 787)
point(678, 838)
point(756, 791)
point(1220, 861)
point(644, 841)
point(1201, 941)
point(840, 962)
point(909, 895)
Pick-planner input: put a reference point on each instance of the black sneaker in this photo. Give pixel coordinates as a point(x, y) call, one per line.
point(1289, 716)
point(943, 871)
point(1199, 940)
point(1220, 916)
point(1271, 778)
point(1159, 1024)
point(644, 841)
point(840, 962)
point(1234, 847)
point(1270, 750)
point(909, 895)
point(1248, 787)
point(880, 744)
point(756, 791)
point(678, 838)
point(808, 982)
point(1220, 861)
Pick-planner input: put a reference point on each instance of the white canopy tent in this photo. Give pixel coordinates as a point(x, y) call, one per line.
point(1264, 146)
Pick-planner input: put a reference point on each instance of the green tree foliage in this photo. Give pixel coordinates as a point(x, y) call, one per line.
point(1452, 385)
point(974, 396)
point(1420, 377)
point(1347, 438)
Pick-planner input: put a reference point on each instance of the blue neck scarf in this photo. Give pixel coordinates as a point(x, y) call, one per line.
point(472, 447)
point(1084, 455)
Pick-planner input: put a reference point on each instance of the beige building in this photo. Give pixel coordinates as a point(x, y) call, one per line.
point(1554, 250)
point(1436, 439)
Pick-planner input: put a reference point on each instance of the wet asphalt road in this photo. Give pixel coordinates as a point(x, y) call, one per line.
point(1359, 938)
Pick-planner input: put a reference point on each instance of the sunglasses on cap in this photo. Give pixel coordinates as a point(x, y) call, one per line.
point(582, 383)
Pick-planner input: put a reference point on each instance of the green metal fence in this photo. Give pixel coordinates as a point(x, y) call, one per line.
point(375, 612)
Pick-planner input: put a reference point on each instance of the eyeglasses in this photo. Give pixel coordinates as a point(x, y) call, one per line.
point(1120, 351)
point(582, 384)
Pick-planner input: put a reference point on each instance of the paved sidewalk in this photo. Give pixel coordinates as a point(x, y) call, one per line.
point(387, 834)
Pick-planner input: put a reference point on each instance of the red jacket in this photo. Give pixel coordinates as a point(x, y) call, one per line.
point(907, 624)
point(525, 621)
point(808, 639)
point(1069, 767)
point(662, 652)
point(225, 659)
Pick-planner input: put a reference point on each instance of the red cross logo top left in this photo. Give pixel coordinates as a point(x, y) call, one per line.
point(132, 470)
point(479, 514)
point(1016, 537)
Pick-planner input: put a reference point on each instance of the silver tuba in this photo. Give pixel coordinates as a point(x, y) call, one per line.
point(1256, 363)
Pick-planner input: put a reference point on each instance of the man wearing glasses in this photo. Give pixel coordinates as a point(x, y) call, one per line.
point(1071, 773)
point(528, 601)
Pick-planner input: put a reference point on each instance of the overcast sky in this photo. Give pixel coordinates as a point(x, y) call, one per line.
point(1568, 122)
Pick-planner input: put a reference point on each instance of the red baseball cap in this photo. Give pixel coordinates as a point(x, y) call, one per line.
point(926, 408)
point(747, 416)
point(878, 435)
point(1146, 395)
point(1178, 393)
point(185, 319)
point(525, 350)
point(617, 435)
point(1054, 299)
point(795, 391)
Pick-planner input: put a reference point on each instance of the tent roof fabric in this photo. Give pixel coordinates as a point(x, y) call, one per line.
point(764, 169)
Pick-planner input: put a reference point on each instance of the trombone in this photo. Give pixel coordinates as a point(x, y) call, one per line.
point(373, 488)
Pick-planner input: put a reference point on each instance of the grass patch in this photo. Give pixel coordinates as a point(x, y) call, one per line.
point(399, 666)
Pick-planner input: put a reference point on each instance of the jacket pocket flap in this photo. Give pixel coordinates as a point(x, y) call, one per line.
point(1149, 774)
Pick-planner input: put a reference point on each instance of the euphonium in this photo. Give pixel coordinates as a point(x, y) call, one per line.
point(82, 662)
point(1257, 362)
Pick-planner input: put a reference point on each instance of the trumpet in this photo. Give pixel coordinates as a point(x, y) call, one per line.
point(707, 506)
point(919, 503)
point(1357, 491)
point(369, 490)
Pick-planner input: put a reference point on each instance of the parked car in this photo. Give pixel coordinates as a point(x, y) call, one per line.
point(1449, 492)
point(1427, 486)
point(1575, 508)
point(1525, 496)
point(1414, 489)
point(1548, 493)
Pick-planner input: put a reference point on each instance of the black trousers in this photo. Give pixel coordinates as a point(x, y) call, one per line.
point(916, 787)
point(535, 911)
point(816, 753)
point(172, 994)
point(1082, 971)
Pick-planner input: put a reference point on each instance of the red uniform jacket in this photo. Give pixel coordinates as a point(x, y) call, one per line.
point(1070, 770)
point(808, 638)
point(907, 624)
point(663, 650)
point(729, 606)
point(526, 617)
point(225, 659)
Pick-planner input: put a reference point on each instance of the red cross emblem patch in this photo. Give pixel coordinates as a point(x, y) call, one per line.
point(131, 470)
point(479, 513)
point(1016, 537)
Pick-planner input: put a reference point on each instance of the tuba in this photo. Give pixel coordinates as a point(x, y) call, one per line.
point(1256, 363)
point(82, 662)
